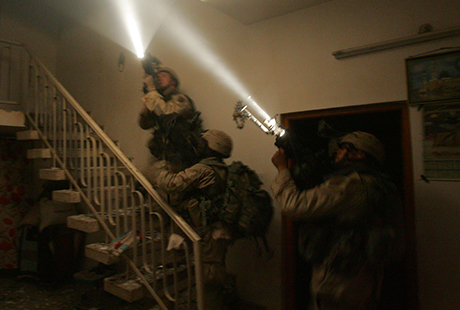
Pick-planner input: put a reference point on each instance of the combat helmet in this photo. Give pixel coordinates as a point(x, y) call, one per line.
point(171, 72)
point(219, 141)
point(365, 142)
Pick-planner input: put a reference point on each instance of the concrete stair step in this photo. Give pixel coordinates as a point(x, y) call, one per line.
point(100, 252)
point(132, 289)
point(89, 224)
point(53, 174)
point(42, 153)
point(67, 195)
point(27, 135)
point(83, 222)
point(129, 290)
point(103, 252)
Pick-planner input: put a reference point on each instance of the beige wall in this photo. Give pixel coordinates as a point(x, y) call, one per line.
point(286, 64)
point(40, 33)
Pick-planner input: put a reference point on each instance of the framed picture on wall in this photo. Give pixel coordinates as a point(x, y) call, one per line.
point(433, 78)
point(441, 145)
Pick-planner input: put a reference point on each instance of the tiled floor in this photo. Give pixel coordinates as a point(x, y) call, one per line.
point(27, 293)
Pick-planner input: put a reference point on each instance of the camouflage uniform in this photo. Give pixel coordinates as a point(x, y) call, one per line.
point(188, 185)
point(344, 247)
point(176, 126)
point(175, 102)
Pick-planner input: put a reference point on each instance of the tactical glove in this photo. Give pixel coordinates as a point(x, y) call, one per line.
point(149, 84)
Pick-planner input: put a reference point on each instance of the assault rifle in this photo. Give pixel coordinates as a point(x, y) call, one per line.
point(308, 166)
point(151, 64)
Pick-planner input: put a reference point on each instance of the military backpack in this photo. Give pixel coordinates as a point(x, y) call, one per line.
point(244, 208)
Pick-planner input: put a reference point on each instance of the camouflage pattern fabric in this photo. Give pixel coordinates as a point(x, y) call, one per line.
point(244, 208)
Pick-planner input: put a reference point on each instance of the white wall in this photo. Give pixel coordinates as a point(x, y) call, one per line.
point(286, 64)
point(310, 78)
point(40, 33)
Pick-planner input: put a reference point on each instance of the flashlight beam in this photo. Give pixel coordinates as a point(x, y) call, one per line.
point(134, 33)
point(203, 54)
point(131, 24)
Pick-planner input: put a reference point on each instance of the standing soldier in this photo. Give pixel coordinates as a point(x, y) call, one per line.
point(196, 185)
point(350, 224)
point(175, 124)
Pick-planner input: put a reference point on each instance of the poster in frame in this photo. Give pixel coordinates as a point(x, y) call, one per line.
point(441, 144)
point(433, 78)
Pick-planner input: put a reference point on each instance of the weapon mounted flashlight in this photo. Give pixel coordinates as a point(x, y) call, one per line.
point(269, 125)
point(309, 165)
point(151, 64)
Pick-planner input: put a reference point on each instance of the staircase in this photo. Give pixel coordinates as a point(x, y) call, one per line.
point(119, 202)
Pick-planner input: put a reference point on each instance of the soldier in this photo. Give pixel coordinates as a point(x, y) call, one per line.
point(175, 124)
point(350, 223)
point(195, 185)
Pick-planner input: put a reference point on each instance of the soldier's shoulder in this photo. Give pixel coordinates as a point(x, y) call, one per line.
point(180, 97)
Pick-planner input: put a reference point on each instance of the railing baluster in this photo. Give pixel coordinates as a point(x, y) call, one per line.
point(138, 201)
point(124, 185)
point(37, 97)
point(93, 169)
point(64, 114)
point(143, 232)
point(54, 121)
point(88, 159)
point(101, 186)
point(116, 184)
point(134, 219)
point(107, 187)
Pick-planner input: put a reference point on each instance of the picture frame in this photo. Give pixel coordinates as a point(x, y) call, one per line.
point(441, 143)
point(433, 78)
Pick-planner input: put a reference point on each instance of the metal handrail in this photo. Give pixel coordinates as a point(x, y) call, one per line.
point(185, 227)
point(52, 102)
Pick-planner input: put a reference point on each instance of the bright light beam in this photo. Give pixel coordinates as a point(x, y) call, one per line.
point(131, 25)
point(209, 60)
point(135, 36)
point(193, 44)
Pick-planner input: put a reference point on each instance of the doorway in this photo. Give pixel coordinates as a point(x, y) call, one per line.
point(390, 123)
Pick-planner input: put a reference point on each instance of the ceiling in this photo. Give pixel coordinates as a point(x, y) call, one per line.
point(244, 11)
point(251, 11)
point(54, 14)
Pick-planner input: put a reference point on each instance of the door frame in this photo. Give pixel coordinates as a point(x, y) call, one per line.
point(290, 258)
